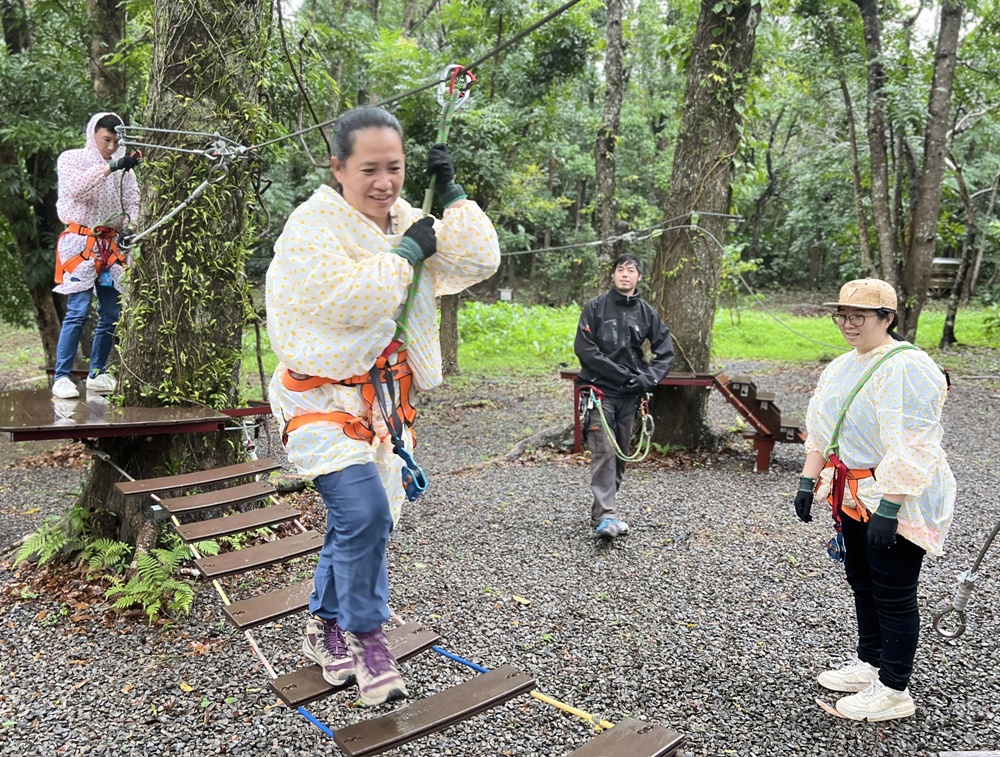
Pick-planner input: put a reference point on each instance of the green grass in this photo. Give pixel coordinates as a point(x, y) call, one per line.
point(508, 338)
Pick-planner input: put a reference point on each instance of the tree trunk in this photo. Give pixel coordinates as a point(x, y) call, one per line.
point(449, 335)
point(867, 261)
point(107, 18)
point(181, 330)
point(968, 246)
point(605, 207)
point(881, 214)
point(685, 275)
point(923, 239)
point(971, 281)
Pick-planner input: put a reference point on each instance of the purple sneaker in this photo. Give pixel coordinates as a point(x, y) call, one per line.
point(375, 667)
point(324, 644)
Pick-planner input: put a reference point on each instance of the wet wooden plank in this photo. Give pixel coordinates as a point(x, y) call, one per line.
point(260, 556)
point(435, 713)
point(635, 738)
point(970, 754)
point(249, 613)
point(307, 684)
point(237, 522)
point(198, 478)
point(233, 495)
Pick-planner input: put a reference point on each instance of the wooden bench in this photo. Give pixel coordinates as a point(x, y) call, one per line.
point(633, 738)
point(434, 713)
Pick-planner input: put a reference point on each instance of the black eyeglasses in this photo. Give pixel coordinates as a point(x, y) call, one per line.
point(855, 319)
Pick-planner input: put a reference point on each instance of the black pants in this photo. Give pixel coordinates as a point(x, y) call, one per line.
point(884, 582)
point(606, 470)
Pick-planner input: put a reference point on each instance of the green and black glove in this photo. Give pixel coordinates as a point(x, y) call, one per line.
point(882, 526)
point(804, 499)
point(441, 166)
point(419, 241)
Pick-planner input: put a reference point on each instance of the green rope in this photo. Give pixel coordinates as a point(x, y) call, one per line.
point(645, 433)
point(834, 444)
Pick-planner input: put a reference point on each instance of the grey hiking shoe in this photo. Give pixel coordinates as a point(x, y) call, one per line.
point(378, 677)
point(609, 528)
point(325, 645)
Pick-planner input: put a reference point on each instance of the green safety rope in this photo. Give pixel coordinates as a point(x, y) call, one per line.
point(645, 431)
point(834, 444)
point(452, 95)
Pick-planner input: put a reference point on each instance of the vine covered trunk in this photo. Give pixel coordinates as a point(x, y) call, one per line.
point(685, 276)
point(187, 298)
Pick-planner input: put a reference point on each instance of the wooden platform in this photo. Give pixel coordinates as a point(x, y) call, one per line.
point(34, 414)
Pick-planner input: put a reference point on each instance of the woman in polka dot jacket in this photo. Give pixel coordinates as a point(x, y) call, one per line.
point(336, 286)
point(900, 498)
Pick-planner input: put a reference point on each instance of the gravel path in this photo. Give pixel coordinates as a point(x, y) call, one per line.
point(712, 618)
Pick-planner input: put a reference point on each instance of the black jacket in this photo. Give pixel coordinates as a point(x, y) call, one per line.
point(609, 344)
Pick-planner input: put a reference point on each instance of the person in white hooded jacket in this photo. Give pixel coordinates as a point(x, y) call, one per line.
point(339, 283)
point(98, 196)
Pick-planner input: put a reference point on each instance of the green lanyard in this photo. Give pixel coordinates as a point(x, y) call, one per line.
point(834, 444)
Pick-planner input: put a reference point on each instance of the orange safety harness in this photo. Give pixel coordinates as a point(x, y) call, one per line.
point(403, 414)
point(844, 477)
point(100, 240)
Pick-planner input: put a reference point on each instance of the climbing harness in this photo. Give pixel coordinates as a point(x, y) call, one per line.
point(842, 475)
point(646, 425)
point(100, 246)
point(966, 583)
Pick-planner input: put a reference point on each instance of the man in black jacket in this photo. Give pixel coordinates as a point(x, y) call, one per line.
point(609, 340)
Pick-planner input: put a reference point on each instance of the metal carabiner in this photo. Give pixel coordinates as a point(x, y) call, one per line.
point(450, 86)
point(955, 632)
point(966, 583)
point(414, 479)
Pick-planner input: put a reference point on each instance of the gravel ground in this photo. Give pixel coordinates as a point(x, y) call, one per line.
point(713, 617)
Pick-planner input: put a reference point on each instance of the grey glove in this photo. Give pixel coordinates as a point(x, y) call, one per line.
point(419, 241)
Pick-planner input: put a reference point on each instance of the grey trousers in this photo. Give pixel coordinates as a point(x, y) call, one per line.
point(606, 470)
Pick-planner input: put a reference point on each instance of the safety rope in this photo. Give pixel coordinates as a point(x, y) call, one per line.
point(646, 429)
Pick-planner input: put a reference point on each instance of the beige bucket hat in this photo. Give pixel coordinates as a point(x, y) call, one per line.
point(870, 294)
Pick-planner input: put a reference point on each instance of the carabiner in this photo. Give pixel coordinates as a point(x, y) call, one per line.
point(955, 632)
point(458, 92)
point(414, 479)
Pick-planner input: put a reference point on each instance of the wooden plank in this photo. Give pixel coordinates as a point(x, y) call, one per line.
point(307, 684)
point(261, 556)
point(233, 495)
point(970, 754)
point(434, 713)
point(198, 478)
point(237, 522)
point(634, 738)
point(256, 611)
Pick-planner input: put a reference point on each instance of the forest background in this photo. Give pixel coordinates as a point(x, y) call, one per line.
point(833, 114)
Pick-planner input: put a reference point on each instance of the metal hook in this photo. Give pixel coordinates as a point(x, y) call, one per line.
point(450, 86)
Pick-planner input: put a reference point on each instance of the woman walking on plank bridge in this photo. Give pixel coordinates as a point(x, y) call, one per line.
point(353, 323)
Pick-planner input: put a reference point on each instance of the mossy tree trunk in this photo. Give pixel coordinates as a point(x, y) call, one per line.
point(685, 276)
point(180, 333)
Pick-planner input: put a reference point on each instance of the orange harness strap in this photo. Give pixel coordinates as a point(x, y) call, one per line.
point(100, 239)
point(850, 476)
point(354, 427)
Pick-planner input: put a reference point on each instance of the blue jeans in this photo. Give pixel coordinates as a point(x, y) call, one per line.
point(77, 310)
point(352, 579)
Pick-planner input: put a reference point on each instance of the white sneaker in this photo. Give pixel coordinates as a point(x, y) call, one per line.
point(65, 389)
point(877, 702)
point(103, 383)
point(854, 676)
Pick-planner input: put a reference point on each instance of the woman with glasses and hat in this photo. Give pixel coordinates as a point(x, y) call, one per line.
point(874, 450)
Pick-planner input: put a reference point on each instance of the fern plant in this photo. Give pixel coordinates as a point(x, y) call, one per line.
point(105, 556)
point(57, 536)
point(153, 586)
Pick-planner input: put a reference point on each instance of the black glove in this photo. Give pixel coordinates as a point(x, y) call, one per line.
point(632, 386)
point(125, 237)
point(125, 164)
point(419, 241)
point(804, 499)
point(441, 166)
point(882, 526)
point(647, 383)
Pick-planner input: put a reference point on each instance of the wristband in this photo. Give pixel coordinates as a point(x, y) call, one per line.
point(807, 484)
point(409, 250)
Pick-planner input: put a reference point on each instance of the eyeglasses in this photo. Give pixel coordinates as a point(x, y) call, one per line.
point(855, 319)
